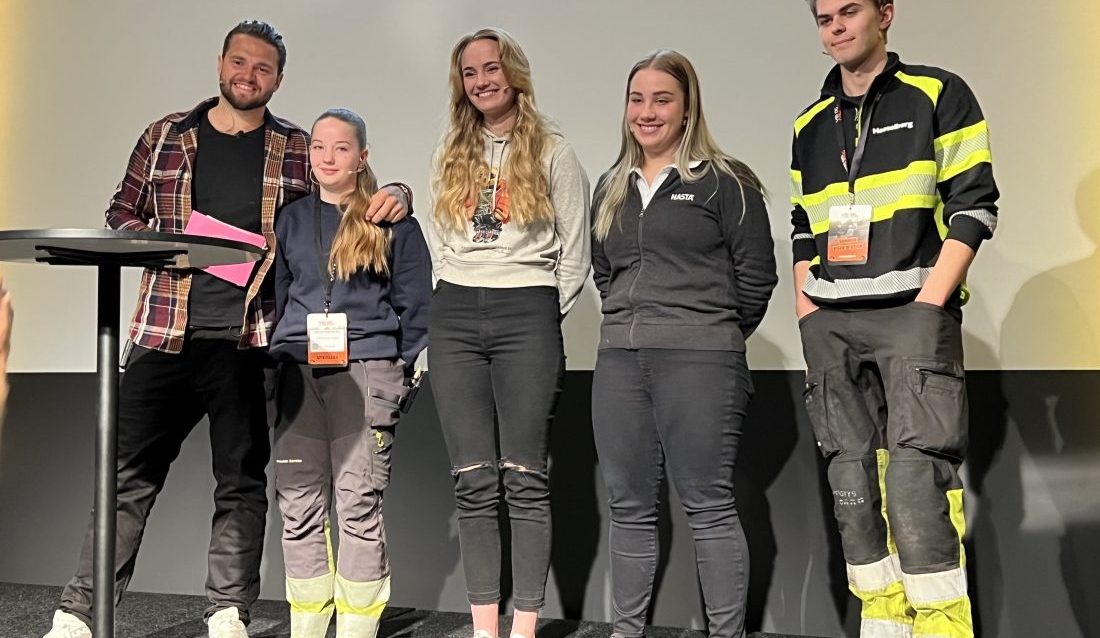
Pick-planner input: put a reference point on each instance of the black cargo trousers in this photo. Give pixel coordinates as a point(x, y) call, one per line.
point(885, 392)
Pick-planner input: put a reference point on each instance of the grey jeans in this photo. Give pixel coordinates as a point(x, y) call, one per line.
point(680, 413)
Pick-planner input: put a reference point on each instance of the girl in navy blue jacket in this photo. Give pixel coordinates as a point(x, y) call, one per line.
point(352, 305)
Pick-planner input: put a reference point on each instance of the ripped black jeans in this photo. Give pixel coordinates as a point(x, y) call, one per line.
point(497, 362)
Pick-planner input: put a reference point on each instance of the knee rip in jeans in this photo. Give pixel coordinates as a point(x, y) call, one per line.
point(518, 467)
point(482, 465)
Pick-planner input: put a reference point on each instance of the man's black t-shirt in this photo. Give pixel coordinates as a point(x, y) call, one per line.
point(227, 185)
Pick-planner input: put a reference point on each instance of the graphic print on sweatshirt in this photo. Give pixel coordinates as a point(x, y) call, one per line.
point(491, 213)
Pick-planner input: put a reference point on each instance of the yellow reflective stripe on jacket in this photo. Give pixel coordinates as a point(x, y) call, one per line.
point(961, 150)
point(887, 193)
point(796, 188)
point(810, 114)
point(929, 86)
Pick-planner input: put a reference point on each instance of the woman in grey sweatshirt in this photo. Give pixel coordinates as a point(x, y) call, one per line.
point(510, 250)
point(682, 255)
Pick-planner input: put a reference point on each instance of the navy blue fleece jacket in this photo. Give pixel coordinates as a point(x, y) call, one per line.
point(387, 316)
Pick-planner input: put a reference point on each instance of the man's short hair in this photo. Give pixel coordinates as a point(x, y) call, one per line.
point(880, 3)
point(260, 30)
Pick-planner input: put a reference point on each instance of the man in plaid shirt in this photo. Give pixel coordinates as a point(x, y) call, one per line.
point(197, 343)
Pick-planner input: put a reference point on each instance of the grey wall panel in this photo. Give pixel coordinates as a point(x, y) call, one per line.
point(1034, 509)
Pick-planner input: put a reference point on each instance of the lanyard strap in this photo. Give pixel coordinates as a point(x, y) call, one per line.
point(328, 279)
point(852, 168)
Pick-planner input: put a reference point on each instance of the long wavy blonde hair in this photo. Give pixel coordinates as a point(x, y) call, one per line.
point(359, 243)
point(696, 143)
point(462, 168)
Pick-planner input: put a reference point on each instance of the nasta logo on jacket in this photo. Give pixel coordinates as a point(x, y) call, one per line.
point(682, 197)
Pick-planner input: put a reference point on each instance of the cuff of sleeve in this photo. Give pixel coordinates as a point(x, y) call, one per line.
point(803, 250)
point(407, 192)
point(968, 230)
point(134, 225)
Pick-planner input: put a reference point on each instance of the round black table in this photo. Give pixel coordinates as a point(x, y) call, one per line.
point(109, 250)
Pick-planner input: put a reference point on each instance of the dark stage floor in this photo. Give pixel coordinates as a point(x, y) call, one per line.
point(25, 612)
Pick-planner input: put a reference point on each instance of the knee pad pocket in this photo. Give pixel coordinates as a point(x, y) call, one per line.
point(857, 505)
point(920, 514)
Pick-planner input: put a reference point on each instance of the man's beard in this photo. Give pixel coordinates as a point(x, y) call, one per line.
point(242, 105)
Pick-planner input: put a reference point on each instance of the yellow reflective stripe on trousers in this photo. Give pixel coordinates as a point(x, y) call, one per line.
point(871, 628)
point(952, 619)
point(941, 604)
point(328, 546)
point(940, 599)
point(958, 520)
point(886, 612)
point(362, 599)
point(883, 457)
point(310, 595)
point(911, 187)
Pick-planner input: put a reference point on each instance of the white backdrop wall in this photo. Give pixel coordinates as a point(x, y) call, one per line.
point(80, 80)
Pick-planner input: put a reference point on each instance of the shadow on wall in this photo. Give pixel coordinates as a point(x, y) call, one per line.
point(786, 588)
point(421, 527)
point(577, 514)
point(1036, 459)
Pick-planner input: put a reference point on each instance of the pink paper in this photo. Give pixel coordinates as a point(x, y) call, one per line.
point(205, 226)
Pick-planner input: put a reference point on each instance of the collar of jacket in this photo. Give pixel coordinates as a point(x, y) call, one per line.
point(191, 119)
point(834, 88)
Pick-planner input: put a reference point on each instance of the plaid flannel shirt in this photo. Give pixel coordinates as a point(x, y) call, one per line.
point(155, 195)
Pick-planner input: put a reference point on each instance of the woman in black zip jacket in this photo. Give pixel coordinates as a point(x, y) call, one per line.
point(683, 260)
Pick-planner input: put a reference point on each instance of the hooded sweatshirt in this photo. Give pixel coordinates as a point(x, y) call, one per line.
point(493, 250)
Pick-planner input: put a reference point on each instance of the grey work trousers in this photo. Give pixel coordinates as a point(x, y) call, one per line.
point(332, 443)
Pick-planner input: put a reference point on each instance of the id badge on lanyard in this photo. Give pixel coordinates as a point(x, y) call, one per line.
point(328, 339)
point(326, 332)
point(849, 234)
point(850, 225)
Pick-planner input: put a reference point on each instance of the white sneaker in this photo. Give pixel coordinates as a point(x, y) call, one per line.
point(226, 624)
point(66, 625)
